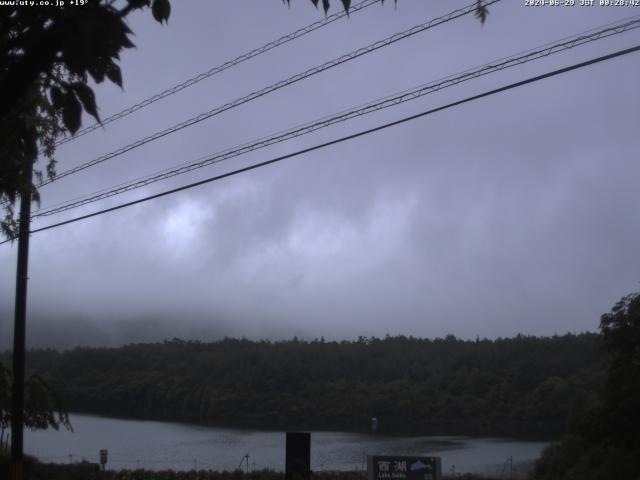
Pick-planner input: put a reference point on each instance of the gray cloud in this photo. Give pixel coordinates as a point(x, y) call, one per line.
point(517, 213)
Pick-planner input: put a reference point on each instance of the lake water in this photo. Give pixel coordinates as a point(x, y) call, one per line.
point(161, 445)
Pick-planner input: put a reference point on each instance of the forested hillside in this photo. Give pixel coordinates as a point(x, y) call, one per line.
point(523, 385)
point(605, 441)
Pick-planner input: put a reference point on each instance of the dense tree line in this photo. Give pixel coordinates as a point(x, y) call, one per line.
point(522, 385)
point(43, 408)
point(605, 441)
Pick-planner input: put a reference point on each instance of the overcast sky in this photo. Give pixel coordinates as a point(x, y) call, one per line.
point(518, 213)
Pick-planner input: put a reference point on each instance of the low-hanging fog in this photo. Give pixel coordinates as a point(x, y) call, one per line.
point(518, 213)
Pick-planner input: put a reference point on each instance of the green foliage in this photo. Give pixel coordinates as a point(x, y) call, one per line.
point(346, 4)
point(43, 408)
point(576, 458)
point(605, 441)
point(507, 386)
point(621, 333)
point(5, 405)
point(28, 465)
point(325, 4)
point(34, 130)
point(481, 10)
point(89, 471)
point(47, 56)
point(161, 9)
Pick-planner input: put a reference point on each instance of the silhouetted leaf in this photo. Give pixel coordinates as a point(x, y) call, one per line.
point(114, 74)
point(161, 9)
point(140, 3)
point(126, 42)
point(57, 97)
point(71, 112)
point(96, 73)
point(481, 11)
point(325, 4)
point(76, 47)
point(87, 98)
point(51, 168)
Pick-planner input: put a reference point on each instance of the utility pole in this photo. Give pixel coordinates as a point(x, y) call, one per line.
point(17, 391)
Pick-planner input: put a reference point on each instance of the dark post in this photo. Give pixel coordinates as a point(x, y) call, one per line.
point(17, 391)
point(298, 458)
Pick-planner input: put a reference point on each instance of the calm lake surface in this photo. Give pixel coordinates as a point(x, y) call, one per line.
point(161, 445)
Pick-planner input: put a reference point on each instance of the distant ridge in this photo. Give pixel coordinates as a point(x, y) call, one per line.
point(518, 386)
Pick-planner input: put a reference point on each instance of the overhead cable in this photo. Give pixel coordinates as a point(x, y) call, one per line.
point(510, 86)
point(220, 68)
point(390, 101)
point(277, 86)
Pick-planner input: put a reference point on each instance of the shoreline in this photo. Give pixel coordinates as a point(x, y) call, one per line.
point(452, 428)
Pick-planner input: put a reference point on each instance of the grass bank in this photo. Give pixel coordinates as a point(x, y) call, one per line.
point(35, 470)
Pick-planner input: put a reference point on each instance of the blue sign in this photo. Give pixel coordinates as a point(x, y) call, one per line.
point(394, 467)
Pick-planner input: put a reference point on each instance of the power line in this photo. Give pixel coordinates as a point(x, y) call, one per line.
point(202, 76)
point(277, 86)
point(522, 57)
point(344, 139)
point(220, 68)
point(390, 101)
